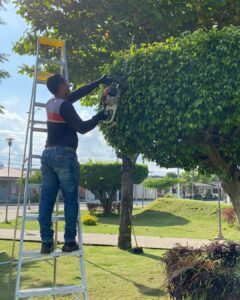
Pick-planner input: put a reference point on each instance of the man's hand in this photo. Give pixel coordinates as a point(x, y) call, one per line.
point(105, 80)
point(103, 115)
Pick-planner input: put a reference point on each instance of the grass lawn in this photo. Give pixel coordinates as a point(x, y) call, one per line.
point(165, 217)
point(112, 274)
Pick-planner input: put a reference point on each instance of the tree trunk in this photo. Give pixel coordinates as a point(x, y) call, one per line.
point(124, 238)
point(232, 188)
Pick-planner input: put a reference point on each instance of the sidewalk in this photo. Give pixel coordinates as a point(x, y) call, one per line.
point(98, 239)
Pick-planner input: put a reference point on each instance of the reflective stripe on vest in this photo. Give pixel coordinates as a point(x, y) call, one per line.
point(53, 111)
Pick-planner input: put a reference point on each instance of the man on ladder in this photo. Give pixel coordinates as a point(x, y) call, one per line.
point(60, 168)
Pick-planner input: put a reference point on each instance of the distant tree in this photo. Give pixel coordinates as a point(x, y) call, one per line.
point(1, 109)
point(105, 179)
point(171, 174)
point(162, 183)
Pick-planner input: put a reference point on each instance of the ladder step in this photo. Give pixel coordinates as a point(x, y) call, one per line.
point(51, 61)
point(50, 42)
point(40, 129)
point(33, 169)
point(61, 290)
point(56, 253)
point(39, 104)
point(36, 156)
point(34, 217)
point(39, 123)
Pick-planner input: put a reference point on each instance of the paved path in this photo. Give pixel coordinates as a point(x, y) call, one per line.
point(111, 239)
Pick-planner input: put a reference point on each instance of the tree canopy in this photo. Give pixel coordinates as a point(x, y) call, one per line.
point(162, 183)
point(180, 106)
point(94, 29)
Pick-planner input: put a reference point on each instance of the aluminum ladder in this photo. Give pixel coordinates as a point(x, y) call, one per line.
point(54, 47)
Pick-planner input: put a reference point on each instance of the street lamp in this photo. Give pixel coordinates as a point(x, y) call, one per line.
point(8, 184)
point(220, 235)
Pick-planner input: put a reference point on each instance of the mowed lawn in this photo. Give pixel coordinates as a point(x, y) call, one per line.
point(112, 274)
point(165, 217)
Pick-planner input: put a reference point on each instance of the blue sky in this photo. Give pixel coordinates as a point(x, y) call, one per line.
point(15, 95)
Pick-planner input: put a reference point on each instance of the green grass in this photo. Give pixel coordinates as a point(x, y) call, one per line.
point(165, 218)
point(112, 274)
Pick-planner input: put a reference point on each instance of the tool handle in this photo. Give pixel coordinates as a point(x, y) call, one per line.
point(133, 227)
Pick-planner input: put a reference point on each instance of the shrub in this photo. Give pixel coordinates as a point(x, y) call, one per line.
point(229, 215)
point(207, 273)
point(89, 220)
point(92, 207)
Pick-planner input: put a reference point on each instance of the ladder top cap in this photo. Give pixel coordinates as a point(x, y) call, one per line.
point(43, 76)
point(50, 42)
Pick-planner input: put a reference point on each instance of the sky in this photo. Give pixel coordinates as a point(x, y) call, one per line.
point(15, 93)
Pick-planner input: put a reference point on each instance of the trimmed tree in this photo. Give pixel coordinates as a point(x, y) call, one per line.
point(104, 180)
point(162, 183)
point(181, 104)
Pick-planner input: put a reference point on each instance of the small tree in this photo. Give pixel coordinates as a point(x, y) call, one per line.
point(162, 183)
point(105, 179)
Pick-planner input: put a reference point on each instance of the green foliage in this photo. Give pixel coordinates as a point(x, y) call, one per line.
point(1, 109)
point(162, 183)
point(197, 176)
point(94, 29)
point(180, 106)
point(89, 220)
point(35, 178)
point(107, 176)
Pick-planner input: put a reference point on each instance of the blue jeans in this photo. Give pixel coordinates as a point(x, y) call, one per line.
point(60, 170)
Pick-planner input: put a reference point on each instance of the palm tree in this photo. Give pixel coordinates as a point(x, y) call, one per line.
point(3, 73)
point(1, 109)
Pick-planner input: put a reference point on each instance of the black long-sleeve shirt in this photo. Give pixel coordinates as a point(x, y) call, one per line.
point(63, 121)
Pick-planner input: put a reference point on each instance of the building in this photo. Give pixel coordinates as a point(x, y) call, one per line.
point(14, 176)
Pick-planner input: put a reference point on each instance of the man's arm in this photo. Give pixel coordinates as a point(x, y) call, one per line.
point(87, 89)
point(69, 114)
point(82, 91)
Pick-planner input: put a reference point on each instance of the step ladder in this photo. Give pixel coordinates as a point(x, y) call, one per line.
point(52, 47)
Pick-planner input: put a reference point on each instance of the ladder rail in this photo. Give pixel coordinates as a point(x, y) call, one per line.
point(31, 113)
point(21, 180)
point(82, 261)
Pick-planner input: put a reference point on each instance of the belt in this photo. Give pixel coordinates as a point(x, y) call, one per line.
point(65, 147)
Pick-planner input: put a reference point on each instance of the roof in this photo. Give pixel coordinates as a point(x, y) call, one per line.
point(200, 184)
point(14, 173)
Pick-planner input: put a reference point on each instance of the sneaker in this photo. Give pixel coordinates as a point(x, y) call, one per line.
point(47, 248)
point(70, 247)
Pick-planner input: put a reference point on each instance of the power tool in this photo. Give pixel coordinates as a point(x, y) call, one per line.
point(110, 100)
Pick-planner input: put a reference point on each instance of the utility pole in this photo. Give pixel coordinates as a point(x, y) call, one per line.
point(10, 140)
point(192, 187)
point(178, 185)
point(220, 235)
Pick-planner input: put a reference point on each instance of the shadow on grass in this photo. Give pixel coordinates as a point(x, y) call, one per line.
point(148, 291)
point(8, 273)
point(149, 218)
point(145, 290)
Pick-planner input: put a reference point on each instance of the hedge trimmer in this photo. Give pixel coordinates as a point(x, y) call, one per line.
point(111, 95)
